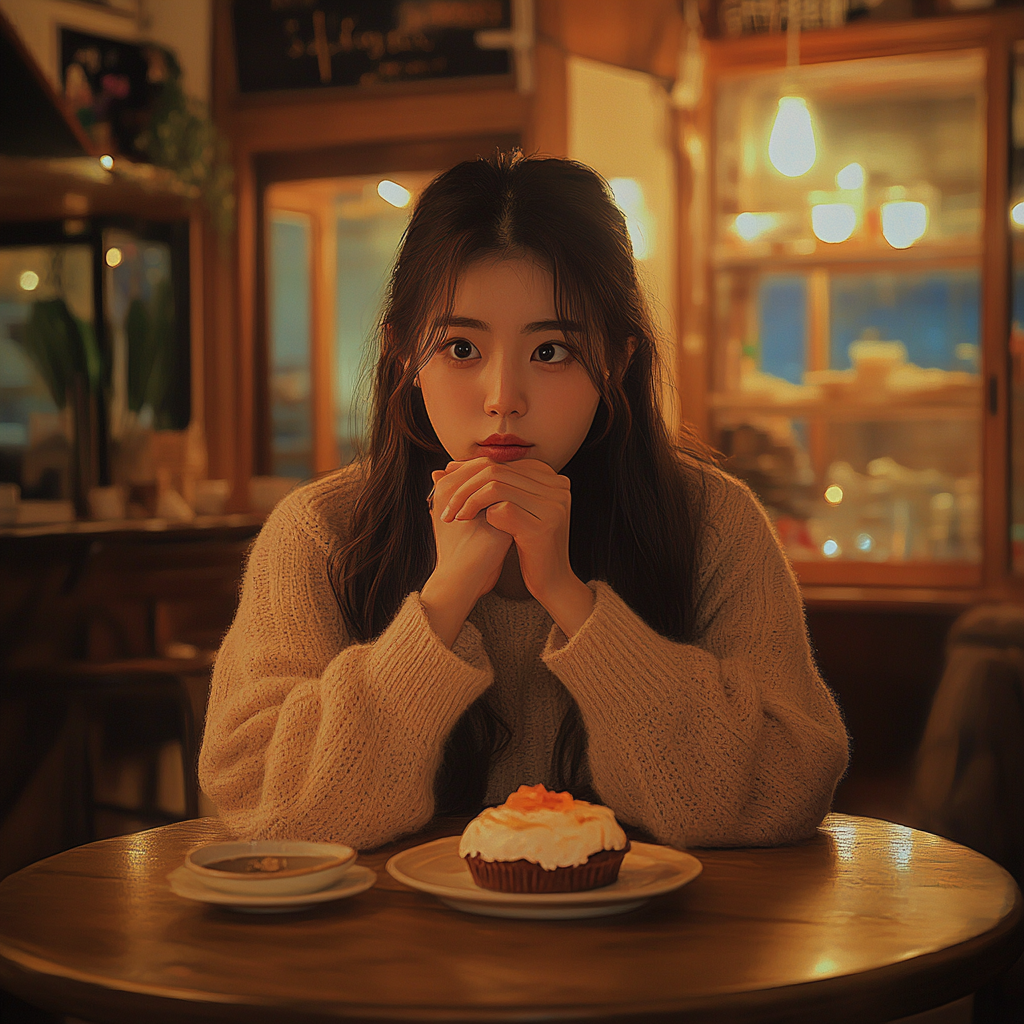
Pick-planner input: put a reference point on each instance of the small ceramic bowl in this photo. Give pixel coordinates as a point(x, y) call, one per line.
point(270, 867)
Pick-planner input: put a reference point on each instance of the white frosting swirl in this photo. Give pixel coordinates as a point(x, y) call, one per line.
point(552, 838)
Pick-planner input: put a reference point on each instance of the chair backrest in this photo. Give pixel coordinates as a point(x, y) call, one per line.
point(969, 778)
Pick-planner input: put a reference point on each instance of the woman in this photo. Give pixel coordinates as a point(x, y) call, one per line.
point(524, 580)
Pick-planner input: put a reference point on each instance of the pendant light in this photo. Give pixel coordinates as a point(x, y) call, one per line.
point(791, 147)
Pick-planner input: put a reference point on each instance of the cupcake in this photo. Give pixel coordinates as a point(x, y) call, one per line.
point(538, 841)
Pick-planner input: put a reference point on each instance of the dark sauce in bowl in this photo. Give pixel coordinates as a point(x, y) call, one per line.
point(269, 864)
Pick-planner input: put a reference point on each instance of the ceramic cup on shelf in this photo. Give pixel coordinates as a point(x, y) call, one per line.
point(211, 496)
point(107, 502)
point(10, 499)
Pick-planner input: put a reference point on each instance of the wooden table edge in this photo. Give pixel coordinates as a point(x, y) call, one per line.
point(844, 998)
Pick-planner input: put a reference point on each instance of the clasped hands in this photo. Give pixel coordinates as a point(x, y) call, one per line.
point(480, 508)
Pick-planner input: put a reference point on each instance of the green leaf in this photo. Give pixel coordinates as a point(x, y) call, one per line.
point(53, 340)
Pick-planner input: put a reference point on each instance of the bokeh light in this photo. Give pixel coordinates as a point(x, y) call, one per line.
point(393, 193)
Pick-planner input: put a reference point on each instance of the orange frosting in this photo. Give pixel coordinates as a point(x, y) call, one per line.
point(536, 798)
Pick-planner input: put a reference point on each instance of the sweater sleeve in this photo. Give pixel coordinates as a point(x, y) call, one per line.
point(311, 736)
point(730, 740)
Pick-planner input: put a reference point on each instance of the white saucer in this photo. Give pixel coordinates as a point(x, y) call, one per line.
point(646, 871)
point(355, 880)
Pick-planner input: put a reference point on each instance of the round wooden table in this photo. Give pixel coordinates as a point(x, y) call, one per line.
point(868, 921)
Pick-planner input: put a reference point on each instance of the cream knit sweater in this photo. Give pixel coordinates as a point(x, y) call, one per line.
point(730, 740)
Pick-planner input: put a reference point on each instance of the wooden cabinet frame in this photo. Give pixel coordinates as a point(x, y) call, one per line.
point(995, 33)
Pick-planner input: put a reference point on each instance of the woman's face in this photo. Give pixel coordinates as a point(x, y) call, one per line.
point(503, 384)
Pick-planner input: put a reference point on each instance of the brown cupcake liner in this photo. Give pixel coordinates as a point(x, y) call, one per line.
point(600, 869)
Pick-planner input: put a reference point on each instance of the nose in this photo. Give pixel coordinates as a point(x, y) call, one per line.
point(504, 394)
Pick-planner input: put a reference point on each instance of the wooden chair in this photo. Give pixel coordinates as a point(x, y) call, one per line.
point(969, 781)
point(147, 613)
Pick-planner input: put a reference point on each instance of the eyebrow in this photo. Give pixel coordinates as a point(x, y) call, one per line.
point(537, 327)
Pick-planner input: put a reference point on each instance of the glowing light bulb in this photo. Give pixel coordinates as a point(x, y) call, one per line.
point(113, 256)
point(629, 197)
point(865, 542)
point(833, 222)
point(791, 147)
point(29, 280)
point(831, 549)
point(903, 222)
point(750, 226)
point(851, 177)
point(627, 192)
point(1017, 215)
point(833, 494)
point(107, 162)
point(393, 193)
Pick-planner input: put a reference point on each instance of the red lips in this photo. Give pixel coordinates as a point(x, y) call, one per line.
point(500, 439)
point(504, 447)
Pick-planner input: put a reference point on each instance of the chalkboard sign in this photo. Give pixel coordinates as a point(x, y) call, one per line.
point(312, 44)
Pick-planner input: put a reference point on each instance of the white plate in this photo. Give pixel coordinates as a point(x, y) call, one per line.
point(187, 884)
point(646, 871)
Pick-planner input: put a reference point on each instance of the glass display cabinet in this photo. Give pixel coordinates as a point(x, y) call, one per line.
point(852, 367)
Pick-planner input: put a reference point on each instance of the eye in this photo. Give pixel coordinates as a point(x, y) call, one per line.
point(461, 350)
point(551, 352)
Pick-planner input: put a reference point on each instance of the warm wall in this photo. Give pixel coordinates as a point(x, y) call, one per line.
point(620, 123)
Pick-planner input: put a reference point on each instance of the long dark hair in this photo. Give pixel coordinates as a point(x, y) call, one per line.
point(637, 499)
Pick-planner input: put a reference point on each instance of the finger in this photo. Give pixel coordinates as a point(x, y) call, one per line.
point(510, 518)
point(534, 468)
point(516, 487)
point(550, 512)
point(446, 481)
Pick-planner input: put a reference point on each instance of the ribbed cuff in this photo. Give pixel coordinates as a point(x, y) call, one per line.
point(419, 679)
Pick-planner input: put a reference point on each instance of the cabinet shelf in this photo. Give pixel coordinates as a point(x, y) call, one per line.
point(888, 408)
point(843, 255)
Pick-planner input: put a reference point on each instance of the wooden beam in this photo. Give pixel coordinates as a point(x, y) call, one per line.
point(350, 119)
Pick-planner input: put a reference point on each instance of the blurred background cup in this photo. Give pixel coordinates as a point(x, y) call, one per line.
point(10, 499)
point(107, 502)
point(211, 496)
point(266, 491)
